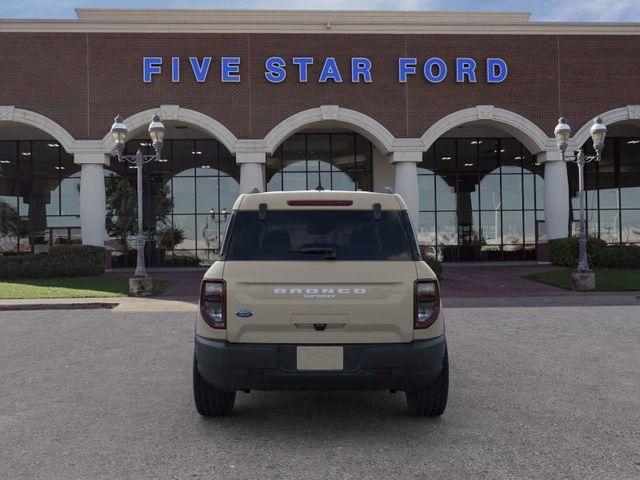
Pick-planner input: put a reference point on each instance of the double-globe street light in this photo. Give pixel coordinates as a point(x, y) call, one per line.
point(119, 133)
point(598, 133)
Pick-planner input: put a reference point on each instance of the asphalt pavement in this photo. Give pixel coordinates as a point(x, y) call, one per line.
point(546, 392)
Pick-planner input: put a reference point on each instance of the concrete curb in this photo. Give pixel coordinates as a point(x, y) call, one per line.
point(57, 306)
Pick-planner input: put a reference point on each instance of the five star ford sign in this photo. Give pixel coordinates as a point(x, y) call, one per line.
point(361, 69)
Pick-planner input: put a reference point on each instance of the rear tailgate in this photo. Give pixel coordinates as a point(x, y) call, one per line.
point(320, 302)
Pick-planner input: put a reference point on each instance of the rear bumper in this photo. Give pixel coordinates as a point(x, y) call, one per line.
point(389, 366)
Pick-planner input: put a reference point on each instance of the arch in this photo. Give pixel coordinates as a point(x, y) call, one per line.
point(9, 113)
point(177, 113)
point(382, 138)
point(527, 132)
point(629, 112)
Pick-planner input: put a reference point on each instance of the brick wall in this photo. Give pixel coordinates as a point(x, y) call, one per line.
point(82, 80)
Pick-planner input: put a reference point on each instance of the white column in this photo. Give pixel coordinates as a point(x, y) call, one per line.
point(556, 194)
point(251, 170)
point(406, 165)
point(92, 197)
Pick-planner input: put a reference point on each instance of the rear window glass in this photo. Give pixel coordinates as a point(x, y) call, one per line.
point(319, 235)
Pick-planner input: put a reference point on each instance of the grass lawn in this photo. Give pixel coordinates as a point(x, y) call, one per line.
point(607, 279)
point(71, 287)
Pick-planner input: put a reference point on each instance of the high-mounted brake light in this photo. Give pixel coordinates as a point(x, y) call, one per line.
point(213, 301)
point(426, 303)
point(319, 203)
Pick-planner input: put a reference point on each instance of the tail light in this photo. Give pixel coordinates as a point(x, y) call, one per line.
point(426, 303)
point(213, 303)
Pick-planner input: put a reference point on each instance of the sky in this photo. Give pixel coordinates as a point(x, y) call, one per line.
point(542, 10)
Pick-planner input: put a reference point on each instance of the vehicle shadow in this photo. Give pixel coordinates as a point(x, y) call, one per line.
point(317, 414)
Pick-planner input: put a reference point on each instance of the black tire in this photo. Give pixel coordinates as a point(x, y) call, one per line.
point(431, 401)
point(211, 402)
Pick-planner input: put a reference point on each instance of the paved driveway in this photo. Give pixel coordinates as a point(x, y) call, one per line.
point(543, 393)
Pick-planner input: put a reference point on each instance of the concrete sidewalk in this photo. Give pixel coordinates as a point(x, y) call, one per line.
point(182, 304)
point(462, 287)
point(118, 304)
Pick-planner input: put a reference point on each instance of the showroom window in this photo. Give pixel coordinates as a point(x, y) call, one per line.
point(612, 192)
point(480, 199)
point(333, 161)
point(192, 191)
point(39, 196)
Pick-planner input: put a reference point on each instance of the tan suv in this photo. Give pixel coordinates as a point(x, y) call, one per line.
point(320, 290)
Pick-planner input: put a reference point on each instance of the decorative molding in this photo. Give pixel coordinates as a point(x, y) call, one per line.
point(12, 114)
point(6, 112)
point(329, 112)
point(549, 156)
point(617, 115)
point(634, 112)
point(485, 112)
point(527, 132)
point(169, 112)
point(179, 114)
point(382, 138)
point(316, 22)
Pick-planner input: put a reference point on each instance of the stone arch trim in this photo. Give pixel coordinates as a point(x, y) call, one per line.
point(177, 113)
point(629, 112)
point(527, 132)
point(10, 113)
point(378, 134)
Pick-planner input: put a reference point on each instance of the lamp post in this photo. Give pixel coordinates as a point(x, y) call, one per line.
point(119, 133)
point(598, 133)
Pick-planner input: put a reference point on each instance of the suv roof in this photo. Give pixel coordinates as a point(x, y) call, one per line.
point(284, 200)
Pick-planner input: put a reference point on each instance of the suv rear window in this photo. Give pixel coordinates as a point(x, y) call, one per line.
point(320, 235)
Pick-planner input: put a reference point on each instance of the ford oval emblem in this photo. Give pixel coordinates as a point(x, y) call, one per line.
point(244, 313)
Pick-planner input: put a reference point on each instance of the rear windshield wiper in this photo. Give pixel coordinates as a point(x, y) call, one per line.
point(329, 253)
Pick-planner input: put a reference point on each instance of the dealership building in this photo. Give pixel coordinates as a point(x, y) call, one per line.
point(454, 111)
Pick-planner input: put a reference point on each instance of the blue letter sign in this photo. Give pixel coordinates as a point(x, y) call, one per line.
point(442, 70)
point(330, 71)
point(496, 70)
point(360, 67)
point(230, 69)
point(465, 67)
point(434, 69)
point(303, 66)
point(406, 66)
point(151, 66)
point(200, 71)
point(275, 69)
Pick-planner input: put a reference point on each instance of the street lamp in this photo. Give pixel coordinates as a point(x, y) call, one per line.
point(119, 133)
point(598, 133)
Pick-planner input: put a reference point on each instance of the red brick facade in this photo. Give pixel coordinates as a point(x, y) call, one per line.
point(80, 80)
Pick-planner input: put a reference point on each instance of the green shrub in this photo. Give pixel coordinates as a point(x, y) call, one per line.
point(61, 261)
point(181, 261)
point(564, 251)
point(618, 256)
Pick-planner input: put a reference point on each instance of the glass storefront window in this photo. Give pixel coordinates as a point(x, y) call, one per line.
point(477, 201)
point(426, 189)
point(201, 180)
point(630, 224)
point(39, 195)
point(306, 161)
point(612, 191)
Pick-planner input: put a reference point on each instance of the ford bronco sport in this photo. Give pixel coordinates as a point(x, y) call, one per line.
point(320, 290)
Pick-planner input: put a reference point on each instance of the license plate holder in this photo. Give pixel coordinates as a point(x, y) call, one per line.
point(320, 358)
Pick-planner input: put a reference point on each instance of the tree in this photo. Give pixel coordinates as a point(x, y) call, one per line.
point(9, 221)
point(122, 209)
point(169, 237)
